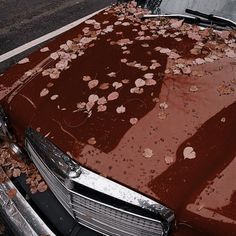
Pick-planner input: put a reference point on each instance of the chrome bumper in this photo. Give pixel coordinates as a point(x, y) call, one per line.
point(17, 212)
point(94, 201)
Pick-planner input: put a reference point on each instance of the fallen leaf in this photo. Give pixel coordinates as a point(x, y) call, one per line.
point(163, 105)
point(12, 193)
point(117, 85)
point(104, 86)
point(193, 88)
point(189, 153)
point(200, 61)
point(42, 187)
point(92, 141)
point(223, 119)
point(133, 121)
point(93, 98)
point(120, 109)
point(102, 108)
point(147, 152)
point(23, 61)
point(112, 74)
point(165, 51)
point(169, 160)
point(102, 101)
point(44, 92)
point(93, 83)
point(45, 49)
point(148, 76)
point(176, 23)
point(87, 78)
point(16, 172)
point(113, 96)
point(186, 70)
point(139, 83)
point(54, 55)
point(150, 82)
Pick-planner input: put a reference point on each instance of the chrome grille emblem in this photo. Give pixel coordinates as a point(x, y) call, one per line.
point(95, 201)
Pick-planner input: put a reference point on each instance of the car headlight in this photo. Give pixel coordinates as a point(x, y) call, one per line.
point(95, 201)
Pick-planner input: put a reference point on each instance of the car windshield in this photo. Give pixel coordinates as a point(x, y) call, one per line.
point(222, 8)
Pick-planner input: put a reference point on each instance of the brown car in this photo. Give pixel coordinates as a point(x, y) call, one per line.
point(130, 121)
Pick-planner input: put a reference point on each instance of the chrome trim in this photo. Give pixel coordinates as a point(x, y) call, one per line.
point(99, 215)
point(23, 220)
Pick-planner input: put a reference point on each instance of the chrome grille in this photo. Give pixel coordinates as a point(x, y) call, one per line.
point(106, 217)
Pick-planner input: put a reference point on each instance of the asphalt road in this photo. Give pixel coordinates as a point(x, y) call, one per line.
point(24, 20)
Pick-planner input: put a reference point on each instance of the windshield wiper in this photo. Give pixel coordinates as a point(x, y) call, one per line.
point(215, 20)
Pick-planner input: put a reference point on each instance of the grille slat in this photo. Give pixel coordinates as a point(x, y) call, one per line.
point(99, 216)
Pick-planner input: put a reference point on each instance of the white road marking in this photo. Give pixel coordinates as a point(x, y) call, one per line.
point(44, 38)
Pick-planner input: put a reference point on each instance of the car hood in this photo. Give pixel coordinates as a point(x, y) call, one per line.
point(168, 132)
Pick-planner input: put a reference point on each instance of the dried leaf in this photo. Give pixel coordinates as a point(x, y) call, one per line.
point(92, 141)
point(93, 98)
point(117, 85)
point(133, 121)
point(148, 76)
point(112, 74)
point(189, 153)
point(193, 88)
point(150, 82)
point(87, 78)
point(12, 193)
point(120, 109)
point(45, 49)
point(139, 83)
point(113, 96)
point(93, 83)
point(44, 92)
point(163, 105)
point(200, 61)
point(23, 61)
point(102, 108)
point(16, 172)
point(176, 23)
point(148, 153)
point(54, 55)
point(169, 160)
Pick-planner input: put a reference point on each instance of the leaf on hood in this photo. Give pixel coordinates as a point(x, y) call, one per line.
point(112, 74)
point(54, 55)
point(139, 83)
point(120, 109)
point(189, 153)
point(23, 61)
point(45, 49)
point(113, 96)
point(148, 76)
point(93, 83)
point(44, 92)
point(87, 78)
point(147, 152)
point(93, 98)
point(102, 108)
point(117, 85)
point(133, 121)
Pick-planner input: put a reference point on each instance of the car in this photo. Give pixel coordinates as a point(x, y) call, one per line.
point(124, 125)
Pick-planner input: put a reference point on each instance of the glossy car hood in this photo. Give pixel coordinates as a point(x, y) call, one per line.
point(168, 135)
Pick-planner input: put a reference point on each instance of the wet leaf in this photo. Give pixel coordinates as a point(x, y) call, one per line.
point(44, 92)
point(93, 83)
point(139, 83)
point(112, 96)
point(23, 61)
point(133, 121)
point(45, 49)
point(169, 160)
point(189, 153)
point(148, 76)
point(93, 98)
point(120, 109)
point(148, 153)
point(102, 108)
